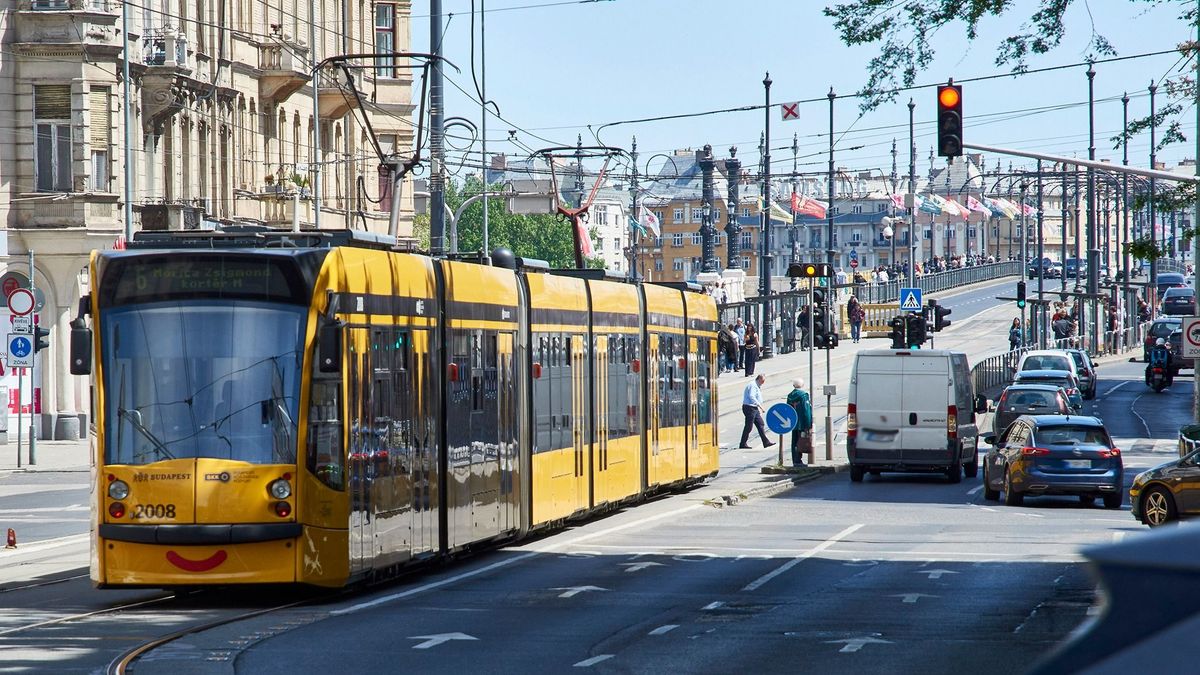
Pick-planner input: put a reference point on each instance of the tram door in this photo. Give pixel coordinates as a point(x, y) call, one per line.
point(653, 409)
point(507, 433)
point(600, 413)
point(579, 421)
point(359, 381)
point(424, 458)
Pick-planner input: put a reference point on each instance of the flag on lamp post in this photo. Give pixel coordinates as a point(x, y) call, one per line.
point(974, 205)
point(649, 221)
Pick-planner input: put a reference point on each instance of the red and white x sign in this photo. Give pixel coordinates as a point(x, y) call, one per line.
point(790, 111)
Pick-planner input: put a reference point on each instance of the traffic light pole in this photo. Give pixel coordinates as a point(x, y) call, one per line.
point(811, 380)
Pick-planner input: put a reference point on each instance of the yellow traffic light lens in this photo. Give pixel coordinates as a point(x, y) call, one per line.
point(948, 97)
point(810, 271)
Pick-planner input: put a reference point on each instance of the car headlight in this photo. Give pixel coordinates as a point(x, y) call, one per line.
point(280, 489)
point(1139, 479)
point(118, 489)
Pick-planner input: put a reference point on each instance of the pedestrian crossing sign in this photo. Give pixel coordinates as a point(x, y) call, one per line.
point(910, 299)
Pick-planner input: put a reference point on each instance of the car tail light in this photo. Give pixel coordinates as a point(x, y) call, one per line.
point(1034, 452)
point(1003, 400)
point(1111, 452)
point(283, 509)
point(116, 510)
point(952, 422)
point(851, 421)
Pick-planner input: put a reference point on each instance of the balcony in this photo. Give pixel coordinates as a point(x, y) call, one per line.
point(334, 100)
point(169, 66)
point(43, 26)
point(171, 216)
point(284, 69)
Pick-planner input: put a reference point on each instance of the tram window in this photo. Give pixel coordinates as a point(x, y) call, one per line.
point(324, 451)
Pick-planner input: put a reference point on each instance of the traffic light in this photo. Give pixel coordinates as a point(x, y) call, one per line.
point(899, 339)
point(938, 315)
point(1021, 295)
point(41, 338)
point(949, 106)
point(820, 327)
point(810, 270)
point(918, 331)
point(818, 297)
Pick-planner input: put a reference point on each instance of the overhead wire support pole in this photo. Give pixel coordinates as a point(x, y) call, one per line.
point(1093, 251)
point(127, 122)
point(1153, 194)
point(315, 165)
point(483, 114)
point(1196, 210)
point(910, 199)
point(765, 258)
point(437, 151)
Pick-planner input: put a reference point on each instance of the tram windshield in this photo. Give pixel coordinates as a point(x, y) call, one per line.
point(202, 378)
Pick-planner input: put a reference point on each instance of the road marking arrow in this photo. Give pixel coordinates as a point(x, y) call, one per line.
point(855, 644)
point(572, 591)
point(435, 640)
point(936, 574)
point(912, 597)
point(634, 567)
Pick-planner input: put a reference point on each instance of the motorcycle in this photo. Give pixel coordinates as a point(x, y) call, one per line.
point(1159, 374)
point(1159, 378)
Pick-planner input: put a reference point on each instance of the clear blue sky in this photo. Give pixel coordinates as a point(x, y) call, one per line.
point(555, 69)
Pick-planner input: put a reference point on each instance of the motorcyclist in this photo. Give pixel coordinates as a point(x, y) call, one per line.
point(1160, 357)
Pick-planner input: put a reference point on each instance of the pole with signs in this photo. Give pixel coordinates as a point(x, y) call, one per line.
point(32, 424)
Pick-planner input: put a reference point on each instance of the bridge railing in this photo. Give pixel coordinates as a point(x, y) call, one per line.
point(879, 301)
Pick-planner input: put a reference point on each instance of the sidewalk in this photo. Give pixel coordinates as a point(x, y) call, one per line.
point(49, 456)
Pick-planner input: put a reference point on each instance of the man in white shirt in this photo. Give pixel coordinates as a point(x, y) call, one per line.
point(752, 403)
point(739, 331)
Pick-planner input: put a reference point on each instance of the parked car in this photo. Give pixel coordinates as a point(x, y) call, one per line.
point(1162, 327)
point(1167, 492)
point(912, 411)
point(1053, 455)
point(1178, 302)
point(1058, 378)
point(1166, 280)
point(1086, 369)
point(1028, 399)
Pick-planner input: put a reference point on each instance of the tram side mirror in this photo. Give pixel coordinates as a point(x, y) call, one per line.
point(329, 347)
point(81, 347)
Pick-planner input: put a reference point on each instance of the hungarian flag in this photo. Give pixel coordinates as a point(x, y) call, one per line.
point(650, 221)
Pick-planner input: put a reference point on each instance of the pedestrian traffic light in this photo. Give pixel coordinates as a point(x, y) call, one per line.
point(897, 334)
point(1021, 295)
point(949, 106)
point(41, 338)
point(819, 326)
point(938, 315)
point(918, 331)
point(810, 270)
point(818, 297)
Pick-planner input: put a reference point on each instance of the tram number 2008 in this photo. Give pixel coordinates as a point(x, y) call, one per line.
point(154, 511)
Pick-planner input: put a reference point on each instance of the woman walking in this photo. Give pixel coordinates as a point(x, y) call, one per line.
point(856, 314)
point(752, 347)
point(1014, 335)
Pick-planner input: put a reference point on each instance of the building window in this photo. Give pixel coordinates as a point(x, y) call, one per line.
point(971, 233)
point(717, 238)
point(745, 211)
point(833, 210)
point(385, 39)
point(677, 264)
point(52, 122)
point(856, 235)
point(617, 245)
point(659, 216)
point(858, 209)
point(677, 239)
point(745, 263)
point(658, 265)
point(996, 231)
point(678, 216)
point(747, 240)
point(927, 233)
point(602, 215)
point(697, 239)
point(880, 207)
point(100, 123)
point(658, 242)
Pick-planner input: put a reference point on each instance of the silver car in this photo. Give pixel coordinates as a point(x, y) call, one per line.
point(1086, 370)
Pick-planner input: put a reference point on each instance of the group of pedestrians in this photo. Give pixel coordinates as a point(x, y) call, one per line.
point(738, 347)
point(797, 398)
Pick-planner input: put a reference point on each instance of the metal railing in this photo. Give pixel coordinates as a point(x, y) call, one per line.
point(784, 306)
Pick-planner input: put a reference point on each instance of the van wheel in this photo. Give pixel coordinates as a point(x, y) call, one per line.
point(972, 467)
point(954, 473)
point(856, 474)
point(1011, 496)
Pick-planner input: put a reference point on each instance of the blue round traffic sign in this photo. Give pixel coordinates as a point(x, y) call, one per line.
point(781, 418)
point(20, 347)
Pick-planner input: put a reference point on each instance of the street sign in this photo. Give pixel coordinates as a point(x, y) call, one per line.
point(853, 263)
point(789, 111)
point(781, 418)
point(39, 299)
point(22, 324)
point(21, 301)
point(910, 299)
point(11, 281)
point(20, 351)
point(1191, 337)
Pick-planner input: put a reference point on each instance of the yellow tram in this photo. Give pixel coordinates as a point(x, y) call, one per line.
point(322, 408)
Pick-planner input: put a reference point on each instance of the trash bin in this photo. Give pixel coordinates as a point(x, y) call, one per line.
point(1189, 439)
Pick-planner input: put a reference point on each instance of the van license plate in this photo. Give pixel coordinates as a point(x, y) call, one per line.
point(1079, 463)
point(880, 436)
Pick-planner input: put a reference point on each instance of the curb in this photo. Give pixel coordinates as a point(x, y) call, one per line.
point(784, 482)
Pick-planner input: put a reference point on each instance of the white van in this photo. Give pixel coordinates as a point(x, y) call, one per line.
point(912, 410)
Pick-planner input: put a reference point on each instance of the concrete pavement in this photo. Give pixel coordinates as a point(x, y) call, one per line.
point(49, 456)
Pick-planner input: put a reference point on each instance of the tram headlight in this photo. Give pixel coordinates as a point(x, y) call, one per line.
point(280, 489)
point(118, 489)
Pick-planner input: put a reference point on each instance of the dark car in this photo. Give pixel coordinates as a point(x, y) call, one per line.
point(1053, 455)
point(1175, 344)
point(1166, 280)
point(1029, 399)
point(1073, 267)
point(1166, 492)
point(1086, 370)
point(1179, 301)
point(1057, 378)
point(1048, 270)
point(1161, 328)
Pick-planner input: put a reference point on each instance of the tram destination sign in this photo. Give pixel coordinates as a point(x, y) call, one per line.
point(152, 279)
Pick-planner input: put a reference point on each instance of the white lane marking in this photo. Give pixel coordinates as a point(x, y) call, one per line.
point(1133, 409)
point(1117, 386)
point(663, 630)
point(911, 598)
point(593, 661)
point(435, 640)
point(638, 566)
point(935, 574)
point(975, 489)
point(572, 591)
point(711, 606)
point(855, 644)
point(552, 548)
point(754, 585)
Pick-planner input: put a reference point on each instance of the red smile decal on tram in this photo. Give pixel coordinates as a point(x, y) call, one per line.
point(196, 565)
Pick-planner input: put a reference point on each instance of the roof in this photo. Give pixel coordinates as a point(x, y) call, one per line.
point(1062, 420)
